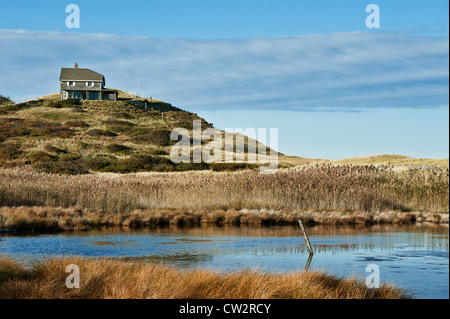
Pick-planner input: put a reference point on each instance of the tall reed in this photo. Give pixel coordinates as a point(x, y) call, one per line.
point(343, 188)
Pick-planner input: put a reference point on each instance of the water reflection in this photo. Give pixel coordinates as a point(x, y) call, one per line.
point(415, 257)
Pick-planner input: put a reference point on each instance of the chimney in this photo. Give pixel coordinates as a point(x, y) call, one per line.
point(76, 65)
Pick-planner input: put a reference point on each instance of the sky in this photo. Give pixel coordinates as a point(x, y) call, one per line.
point(312, 69)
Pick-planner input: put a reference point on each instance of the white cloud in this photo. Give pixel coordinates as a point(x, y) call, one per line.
point(313, 72)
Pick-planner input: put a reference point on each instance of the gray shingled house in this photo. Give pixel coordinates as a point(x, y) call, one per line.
point(84, 84)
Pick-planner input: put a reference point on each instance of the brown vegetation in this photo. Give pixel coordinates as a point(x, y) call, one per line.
point(342, 189)
point(51, 219)
point(107, 279)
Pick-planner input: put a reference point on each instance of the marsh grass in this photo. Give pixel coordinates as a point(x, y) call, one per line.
point(342, 189)
point(108, 279)
point(52, 219)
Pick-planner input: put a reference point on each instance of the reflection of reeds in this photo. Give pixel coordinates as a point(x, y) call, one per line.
point(346, 188)
point(50, 219)
point(119, 280)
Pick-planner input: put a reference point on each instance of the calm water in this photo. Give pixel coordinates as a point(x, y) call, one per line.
point(414, 257)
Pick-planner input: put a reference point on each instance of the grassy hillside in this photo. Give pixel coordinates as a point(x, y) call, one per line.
point(128, 135)
point(73, 137)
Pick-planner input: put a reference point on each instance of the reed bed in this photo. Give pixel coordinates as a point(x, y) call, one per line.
point(50, 219)
point(331, 188)
point(107, 279)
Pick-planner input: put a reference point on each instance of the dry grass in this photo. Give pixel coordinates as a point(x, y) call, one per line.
point(51, 219)
point(391, 159)
point(106, 279)
point(84, 130)
point(342, 189)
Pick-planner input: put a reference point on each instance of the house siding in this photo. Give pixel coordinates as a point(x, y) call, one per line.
point(80, 86)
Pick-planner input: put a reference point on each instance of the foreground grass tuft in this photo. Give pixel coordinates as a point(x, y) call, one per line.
point(107, 279)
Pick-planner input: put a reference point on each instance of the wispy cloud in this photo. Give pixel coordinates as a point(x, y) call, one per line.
point(342, 71)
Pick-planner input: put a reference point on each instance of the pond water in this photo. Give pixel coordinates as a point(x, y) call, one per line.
point(413, 257)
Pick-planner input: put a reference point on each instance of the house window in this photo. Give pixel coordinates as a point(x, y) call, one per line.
point(93, 95)
point(89, 83)
point(70, 83)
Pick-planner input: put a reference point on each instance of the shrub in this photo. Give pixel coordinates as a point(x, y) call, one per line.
point(80, 124)
point(98, 133)
point(123, 115)
point(117, 126)
point(154, 136)
point(86, 146)
point(9, 151)
point(139, 163)
point(13, 127)
point(52, 149)
point(95, 163)
point(40, 157)
point(64, 167)
point(12, 107)
point(118, 122)
point(4, 99)
point(192, 166)
point(118, 148)
point(49, 129)
point(157, 152)
point(69, 103)
point(69, 157)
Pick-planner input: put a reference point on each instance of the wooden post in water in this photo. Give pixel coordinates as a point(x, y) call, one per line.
point(308, 263)
point(306, 237)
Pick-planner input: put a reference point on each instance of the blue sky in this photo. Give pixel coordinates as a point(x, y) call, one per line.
point(332, 87)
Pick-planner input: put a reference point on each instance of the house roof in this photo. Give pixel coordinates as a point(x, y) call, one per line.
point(72, 74)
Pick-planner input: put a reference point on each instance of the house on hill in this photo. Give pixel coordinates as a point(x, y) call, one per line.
point(84, 84)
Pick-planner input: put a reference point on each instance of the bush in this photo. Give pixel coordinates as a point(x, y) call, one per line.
point(4, 99)
point(50, 129)
point(118, 148)
point(123, 115)
point(98, 133)
point(80, 124)
point(69, 103)
point(64, 167)
point(40, 157)
point(14, 127)
point(9, 151)
point(69, 157)
point(160, 137)
point(52, 149)
point(95, 163)
point(117, 126)
point(139, 163)
point(118, 122)
point(157, 152)
point(86, 146)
